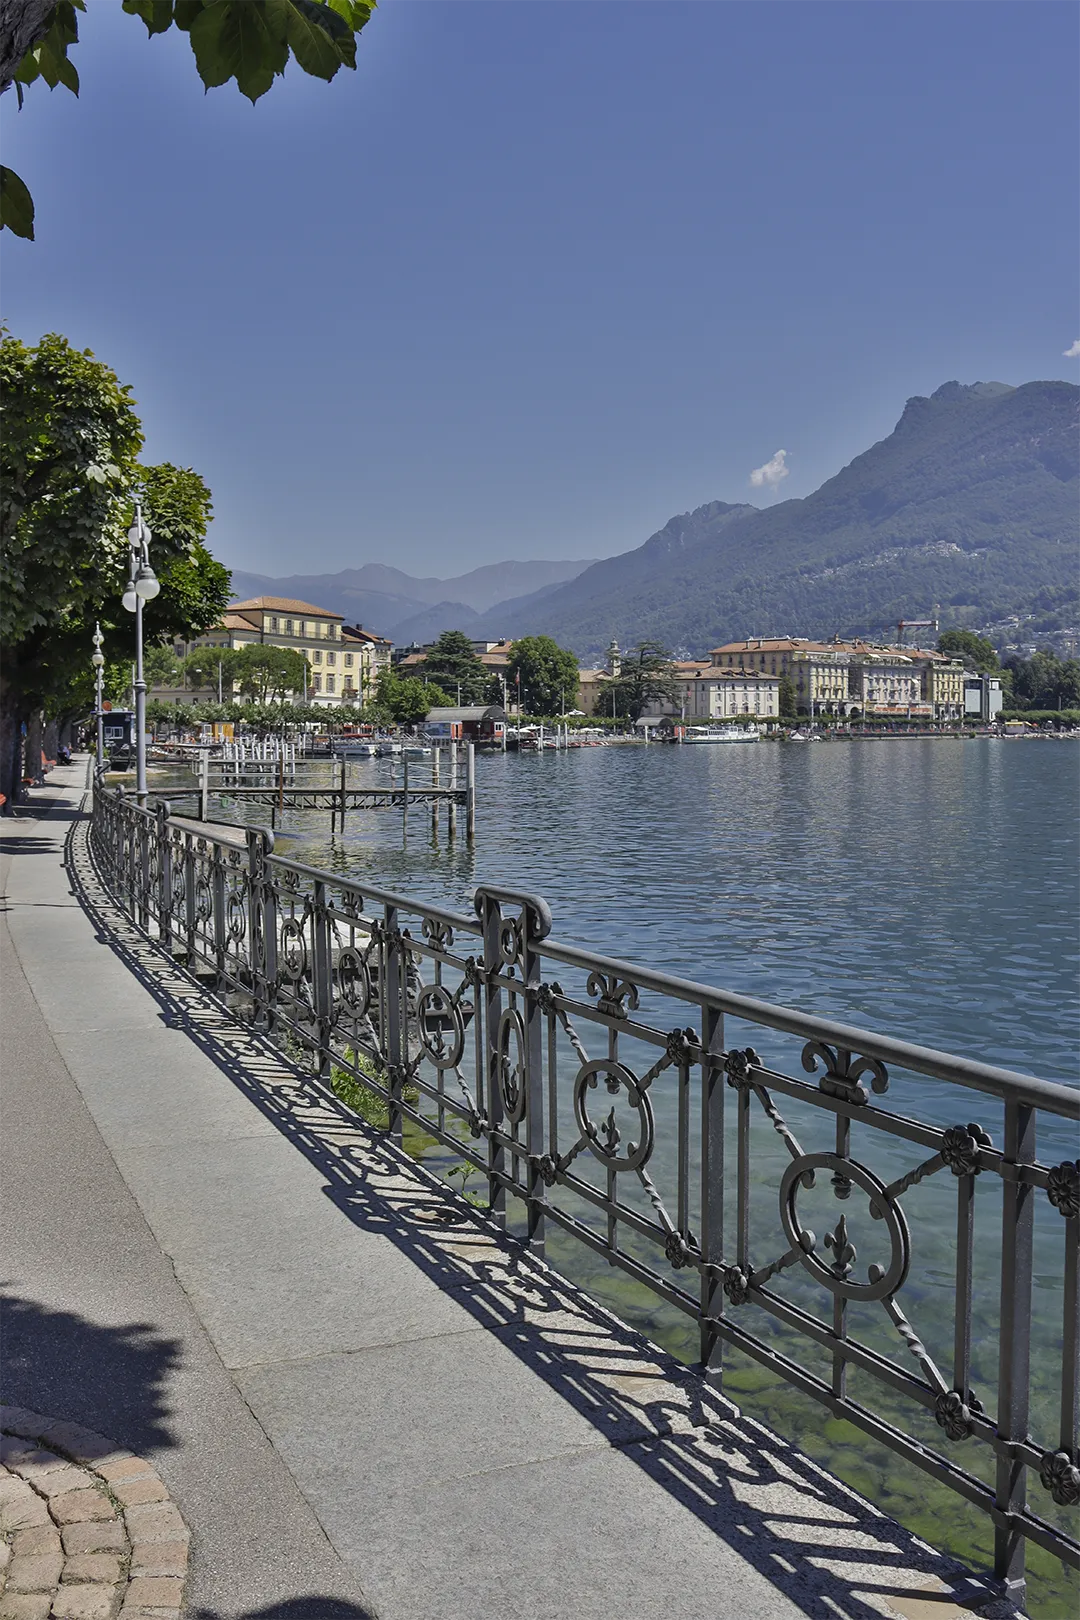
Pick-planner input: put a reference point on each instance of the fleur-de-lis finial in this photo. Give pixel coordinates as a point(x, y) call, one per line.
point(844, 1252)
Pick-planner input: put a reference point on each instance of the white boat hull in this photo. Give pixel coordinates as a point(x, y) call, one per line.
point(722, 734)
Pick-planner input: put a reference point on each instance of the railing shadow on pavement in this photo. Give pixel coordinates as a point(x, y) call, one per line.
point(824, 1547)
point(111, 1379)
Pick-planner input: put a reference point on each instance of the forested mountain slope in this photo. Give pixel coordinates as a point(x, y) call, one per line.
point(969, 505)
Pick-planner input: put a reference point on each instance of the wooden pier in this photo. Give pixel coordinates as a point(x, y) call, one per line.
point(285, 790)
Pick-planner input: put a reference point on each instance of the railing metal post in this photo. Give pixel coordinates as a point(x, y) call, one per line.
point(262, 927)
point(190, 897)
point(204, 784)
point(218, 917)
point(164, 897)
point(1017, 1236)
point(713, 1092)
point(322, 967)
point(533, 1080)
point(395, 991)
point(470, 794)
point(491, 920)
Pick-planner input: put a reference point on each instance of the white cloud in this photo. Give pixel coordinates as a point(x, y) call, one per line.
point(1074, 352)
point(773, 472)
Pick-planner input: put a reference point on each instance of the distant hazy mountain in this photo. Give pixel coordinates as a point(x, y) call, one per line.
point(383, 598)
point(969, 505)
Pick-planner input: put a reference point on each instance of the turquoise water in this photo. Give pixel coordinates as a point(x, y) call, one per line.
point(923, 888)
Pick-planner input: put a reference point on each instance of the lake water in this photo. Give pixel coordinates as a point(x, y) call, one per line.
point(924, 888)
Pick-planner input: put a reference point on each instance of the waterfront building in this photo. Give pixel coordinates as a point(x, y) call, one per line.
point(279, 621)
point(482, 723)
point(707, 692)
point(942, 679)
point(888, 684)
point(818, 670)
point(982, 697)
point(364, 657)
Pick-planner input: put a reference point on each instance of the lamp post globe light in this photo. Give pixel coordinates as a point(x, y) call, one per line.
point(98, 661)
point(143, 586)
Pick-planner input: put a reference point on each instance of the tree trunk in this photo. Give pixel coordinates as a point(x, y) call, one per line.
point(23, 24)
point(33, 767)
point(12, 710)
point(51, 741)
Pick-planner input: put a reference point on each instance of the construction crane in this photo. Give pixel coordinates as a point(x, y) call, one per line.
point(913, 624)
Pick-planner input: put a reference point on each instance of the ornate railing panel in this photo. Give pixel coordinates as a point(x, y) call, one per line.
point(697, 1140)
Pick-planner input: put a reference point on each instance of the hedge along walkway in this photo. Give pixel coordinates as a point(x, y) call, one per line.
point(473, 1434)
point(89, 1532)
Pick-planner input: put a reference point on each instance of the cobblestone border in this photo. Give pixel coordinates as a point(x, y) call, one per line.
point(87, 1530)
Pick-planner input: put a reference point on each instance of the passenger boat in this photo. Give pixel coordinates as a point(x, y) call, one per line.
point(722, 734)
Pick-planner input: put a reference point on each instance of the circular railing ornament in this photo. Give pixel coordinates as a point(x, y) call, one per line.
point(604, 1138)
point(440, 1027)
point(354, 984)
point(292, 953)
point(882, 1282)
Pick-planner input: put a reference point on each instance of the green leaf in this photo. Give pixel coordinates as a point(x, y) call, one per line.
point(210, 60)
point(16, 205)
point(309, 31)
point(156, 14)
point(187, 11)
point(231, 40)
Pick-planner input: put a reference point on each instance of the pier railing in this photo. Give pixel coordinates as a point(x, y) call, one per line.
point(688, 1136)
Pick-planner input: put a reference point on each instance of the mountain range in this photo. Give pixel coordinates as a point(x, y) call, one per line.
point(966, 512)
point(409, 609)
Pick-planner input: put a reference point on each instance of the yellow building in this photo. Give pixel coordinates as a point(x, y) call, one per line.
point(279, 621)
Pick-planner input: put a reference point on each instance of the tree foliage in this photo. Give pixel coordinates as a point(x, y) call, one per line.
point(788, 703)
point(1044, 681)
point(406, 702)
point(646, 674)
point(262, 674)
point(452, 664)
point(977, 653)
point(544, 674)
point(69, 477)
point(250, 41)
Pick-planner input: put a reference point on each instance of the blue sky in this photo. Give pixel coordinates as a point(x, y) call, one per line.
point(541, 274)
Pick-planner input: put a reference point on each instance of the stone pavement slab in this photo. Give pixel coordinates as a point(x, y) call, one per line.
point(338, 1364)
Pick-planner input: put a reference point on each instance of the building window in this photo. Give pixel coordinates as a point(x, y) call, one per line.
point(348, 660)
point(318, 683)
point(273, 623)
point(348, 683)
point(316, 656)
point(288, 627)
point(329, 683)
point(331, 658)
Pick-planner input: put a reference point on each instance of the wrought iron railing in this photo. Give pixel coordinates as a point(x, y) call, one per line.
point(604, 1101)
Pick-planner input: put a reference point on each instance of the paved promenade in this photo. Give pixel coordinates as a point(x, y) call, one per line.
point(360, 1401)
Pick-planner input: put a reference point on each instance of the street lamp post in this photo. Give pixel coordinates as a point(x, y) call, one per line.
point(98, 661)
point(143, 586)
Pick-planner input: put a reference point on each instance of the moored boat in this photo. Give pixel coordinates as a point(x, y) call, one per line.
point(721, 734)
